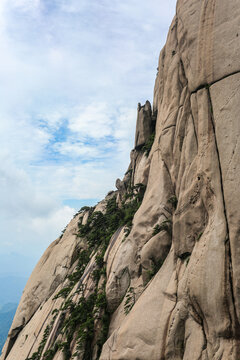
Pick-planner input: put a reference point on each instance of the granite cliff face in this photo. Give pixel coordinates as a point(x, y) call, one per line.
point(153, 271)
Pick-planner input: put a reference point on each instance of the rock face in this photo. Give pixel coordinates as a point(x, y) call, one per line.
point(145, 124)
point(163, 281)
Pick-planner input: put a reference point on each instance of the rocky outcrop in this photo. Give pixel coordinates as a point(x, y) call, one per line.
point(163, 280)
point(145, 124)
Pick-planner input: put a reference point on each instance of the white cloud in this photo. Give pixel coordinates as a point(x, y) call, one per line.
point(72, 73)
point(24, 5)
point(126, 122)
point(21, 141)
point(76, 150)
point(73, 6)
point(30, 235)
point(93, 121)
point(56, 220)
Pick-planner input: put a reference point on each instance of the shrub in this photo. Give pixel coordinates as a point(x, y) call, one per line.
point(130, 300)
point(148, 145)
point(63, 293)
point(78, 318)
point(38, 353)
point(173, 201)
point(155, 268)
point(165, 225)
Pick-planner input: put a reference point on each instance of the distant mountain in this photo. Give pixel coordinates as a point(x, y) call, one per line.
point(11, 288)
point(7, 312)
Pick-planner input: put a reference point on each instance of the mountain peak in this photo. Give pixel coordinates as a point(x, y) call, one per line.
point(152, 271)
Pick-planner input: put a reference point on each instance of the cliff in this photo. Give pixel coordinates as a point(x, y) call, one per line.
point(153, 271)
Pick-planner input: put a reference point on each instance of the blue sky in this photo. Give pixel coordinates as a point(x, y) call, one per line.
point(71, 75)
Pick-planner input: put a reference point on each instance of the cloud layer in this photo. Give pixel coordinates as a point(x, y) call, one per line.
point(72, 73)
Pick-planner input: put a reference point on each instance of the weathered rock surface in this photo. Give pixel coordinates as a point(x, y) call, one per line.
point(145, 124)
point(172, 279)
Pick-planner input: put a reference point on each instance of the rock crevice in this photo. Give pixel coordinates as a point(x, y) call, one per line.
point(153, 271)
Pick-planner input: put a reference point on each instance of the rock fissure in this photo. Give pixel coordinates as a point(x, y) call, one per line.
point(218, 156)
point(228, 273)
point(152, 272)
point(207, 85)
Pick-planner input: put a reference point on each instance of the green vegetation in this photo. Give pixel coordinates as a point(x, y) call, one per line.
point(129, 172)
point(165, 225)
point(148, 145)
point(85, 208)
point(101, 307)
point(155, 268)
point(186, 257)
point(63, 293)
point(63, 231)
point(80, 321)
point(130, 301)
point(83, 259)
point(100, 227)
point(78, 318)
point(50, 353)
point(132, 201)
point(173, 201)
point(38, 353)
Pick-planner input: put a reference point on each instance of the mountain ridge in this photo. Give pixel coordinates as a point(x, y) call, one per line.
point(152, 271)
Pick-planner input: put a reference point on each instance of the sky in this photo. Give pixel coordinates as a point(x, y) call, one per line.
point(72, 73)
